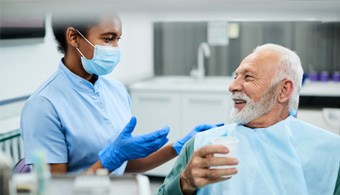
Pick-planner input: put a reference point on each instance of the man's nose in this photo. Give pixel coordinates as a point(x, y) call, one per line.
point(235, 86)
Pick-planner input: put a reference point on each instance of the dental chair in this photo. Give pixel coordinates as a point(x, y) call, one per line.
point(21, 167)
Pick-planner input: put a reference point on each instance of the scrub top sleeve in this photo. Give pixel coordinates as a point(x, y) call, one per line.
point(41, 131)
point(129, 100)
point(171, 183)
point(337, 185)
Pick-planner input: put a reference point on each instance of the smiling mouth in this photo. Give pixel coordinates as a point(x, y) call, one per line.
point(239, 101)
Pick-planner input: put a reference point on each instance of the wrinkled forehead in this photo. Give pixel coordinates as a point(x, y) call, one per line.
point(264, 62)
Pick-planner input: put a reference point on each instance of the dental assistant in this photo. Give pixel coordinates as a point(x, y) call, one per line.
point(81, 120)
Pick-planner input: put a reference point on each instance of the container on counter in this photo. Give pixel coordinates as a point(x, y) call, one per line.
point(324, 76)
point(336, 76)
point(313, 76)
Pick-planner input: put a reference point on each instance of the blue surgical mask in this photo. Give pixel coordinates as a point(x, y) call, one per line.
point(105, 59)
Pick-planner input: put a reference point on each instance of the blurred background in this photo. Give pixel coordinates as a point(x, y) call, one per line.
point(160, 49)
point(316, 42)
point(162, 36)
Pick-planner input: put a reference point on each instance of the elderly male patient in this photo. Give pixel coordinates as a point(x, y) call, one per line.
point(277, 153)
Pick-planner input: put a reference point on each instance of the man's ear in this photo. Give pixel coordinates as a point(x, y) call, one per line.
point(71, 36)
point(286, 90)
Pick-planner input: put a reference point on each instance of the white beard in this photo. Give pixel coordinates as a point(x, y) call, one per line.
point(253, 110)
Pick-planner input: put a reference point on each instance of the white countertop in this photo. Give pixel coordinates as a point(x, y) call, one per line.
point(220, 84)
point(183, 84)
point(318, 88)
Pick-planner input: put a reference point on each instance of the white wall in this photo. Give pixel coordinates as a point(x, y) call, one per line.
point(137, 48)
point(25, 64)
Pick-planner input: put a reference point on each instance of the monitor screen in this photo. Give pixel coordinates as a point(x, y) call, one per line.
point(16, 28)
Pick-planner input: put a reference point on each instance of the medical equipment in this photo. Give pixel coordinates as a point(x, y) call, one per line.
point(5, 174)
point(94, 184)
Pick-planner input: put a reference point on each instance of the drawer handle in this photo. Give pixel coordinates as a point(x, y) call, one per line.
point(158, 99)
point(199, 101)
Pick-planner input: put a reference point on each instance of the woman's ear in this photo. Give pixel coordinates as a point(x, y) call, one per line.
point(71, 37)
point(286, 90)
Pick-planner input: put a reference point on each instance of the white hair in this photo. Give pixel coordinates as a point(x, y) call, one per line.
point(289, 67)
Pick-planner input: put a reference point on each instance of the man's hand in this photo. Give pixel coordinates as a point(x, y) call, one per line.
point(198, 172)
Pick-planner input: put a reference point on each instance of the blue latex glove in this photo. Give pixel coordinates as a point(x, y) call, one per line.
point(180, 143)
point(126, 147)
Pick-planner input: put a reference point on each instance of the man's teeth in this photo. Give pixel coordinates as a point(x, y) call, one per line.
point(239, 101)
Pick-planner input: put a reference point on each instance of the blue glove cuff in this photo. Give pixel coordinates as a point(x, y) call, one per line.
point(178, 145)
point(107, 161)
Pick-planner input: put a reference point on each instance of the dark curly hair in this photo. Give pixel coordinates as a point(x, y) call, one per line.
point(61, 23)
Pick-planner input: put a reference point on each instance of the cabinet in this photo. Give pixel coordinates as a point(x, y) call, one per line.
point(320, 105)
point(204, 108)
point(154, 110)
point(180, 109)
point(326, 118)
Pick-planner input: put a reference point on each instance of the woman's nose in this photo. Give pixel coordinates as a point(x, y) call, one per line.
point(114, 43)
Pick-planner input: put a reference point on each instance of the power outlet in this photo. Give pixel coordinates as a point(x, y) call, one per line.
point(218, 33)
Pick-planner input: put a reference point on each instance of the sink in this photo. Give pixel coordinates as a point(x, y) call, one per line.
point(184, 83)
